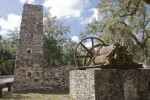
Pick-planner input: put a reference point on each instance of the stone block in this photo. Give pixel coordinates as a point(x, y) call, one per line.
point(110, 84)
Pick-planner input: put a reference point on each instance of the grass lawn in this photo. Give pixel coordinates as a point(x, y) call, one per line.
point(57, 95)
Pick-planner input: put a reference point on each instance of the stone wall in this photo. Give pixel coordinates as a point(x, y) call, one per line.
point(82, 84)
point(110, 84)
point(56, 78)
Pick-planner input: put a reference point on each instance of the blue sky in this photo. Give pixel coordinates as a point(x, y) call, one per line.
point(75, 13)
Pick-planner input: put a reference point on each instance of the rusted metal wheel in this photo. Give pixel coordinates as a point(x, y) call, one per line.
point(84, 54)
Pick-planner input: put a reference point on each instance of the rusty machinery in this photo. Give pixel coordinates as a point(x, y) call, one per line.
point(92, 52)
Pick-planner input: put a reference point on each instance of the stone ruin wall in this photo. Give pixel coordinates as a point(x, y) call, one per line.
point(30, 74)
point(29, 60)
point(56, 78)
point(110, 84)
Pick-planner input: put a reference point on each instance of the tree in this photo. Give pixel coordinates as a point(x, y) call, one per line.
point(5, 56)
point(147, 1)
point(124, 21)
point(55, 41)
point(8, 48)
point(68, 57)
point(52, 52)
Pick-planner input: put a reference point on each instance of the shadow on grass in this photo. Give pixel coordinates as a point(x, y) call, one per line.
point(56, 92)
point(28, 95)
point(18, 96)
point(9, 95)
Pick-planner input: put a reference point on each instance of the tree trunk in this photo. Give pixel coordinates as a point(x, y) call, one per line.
point(146, 52)
point(50, 61)
point(143, 54)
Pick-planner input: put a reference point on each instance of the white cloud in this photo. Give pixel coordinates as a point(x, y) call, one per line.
point(22, 1)
point(31, 1)
point(75, 39)
point(3, 32)
point(89, 19)
point(88, 44)
point(28, 1)
point(66, 8)
point(11, 23)
point(95, 15)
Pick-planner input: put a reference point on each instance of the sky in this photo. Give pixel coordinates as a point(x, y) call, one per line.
point(73, 13)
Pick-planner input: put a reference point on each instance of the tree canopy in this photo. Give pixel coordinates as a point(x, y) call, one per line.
point(57, 45)
point(126, 22)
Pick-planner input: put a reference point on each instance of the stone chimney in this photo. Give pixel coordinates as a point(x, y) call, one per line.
point(29, 69)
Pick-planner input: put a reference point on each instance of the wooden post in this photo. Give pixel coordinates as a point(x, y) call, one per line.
point(9, 86)
point(1, 91)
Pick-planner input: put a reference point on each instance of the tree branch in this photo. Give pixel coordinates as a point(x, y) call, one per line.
point(129, 2)
point(135, 38)
point(4, 60)
point(146, 39)
point(133, 12)
point(132, 35)
point(148, 20)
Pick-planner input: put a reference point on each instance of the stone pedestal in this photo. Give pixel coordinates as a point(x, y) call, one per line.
point(110, 84)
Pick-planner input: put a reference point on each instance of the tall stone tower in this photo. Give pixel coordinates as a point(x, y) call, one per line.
point(29, 62)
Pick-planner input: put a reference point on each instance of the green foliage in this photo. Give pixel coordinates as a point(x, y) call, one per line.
point(68, 57)
point(52, 52)
point(8, 50)
point(58, 49)
point(126, 22)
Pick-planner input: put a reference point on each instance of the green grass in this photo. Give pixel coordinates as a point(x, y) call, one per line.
point(41, 95)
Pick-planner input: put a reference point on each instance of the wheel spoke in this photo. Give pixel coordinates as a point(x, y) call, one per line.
point(93, 46)
point(86, 48)
point(97, 45)
point(84, 63)
point(88, 62)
